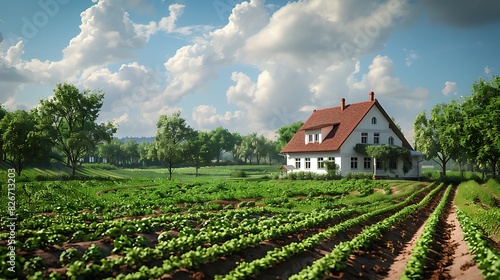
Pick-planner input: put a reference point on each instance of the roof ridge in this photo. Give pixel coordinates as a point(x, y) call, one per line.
point(333, 107)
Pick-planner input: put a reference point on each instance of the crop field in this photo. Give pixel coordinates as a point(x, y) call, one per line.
point(251, 229)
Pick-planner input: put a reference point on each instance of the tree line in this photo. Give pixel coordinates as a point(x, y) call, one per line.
point(176, 143)
point(64, 128)
point(467, 132)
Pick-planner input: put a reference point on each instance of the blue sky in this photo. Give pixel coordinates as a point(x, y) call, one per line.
point(249, 66)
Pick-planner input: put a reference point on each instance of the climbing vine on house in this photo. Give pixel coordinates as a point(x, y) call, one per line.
point(386, 154)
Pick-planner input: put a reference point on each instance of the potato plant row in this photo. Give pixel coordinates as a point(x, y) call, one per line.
point(488, 258)
point(337, 259)
point(88, 243)
point(415, 266)
point(280, 254)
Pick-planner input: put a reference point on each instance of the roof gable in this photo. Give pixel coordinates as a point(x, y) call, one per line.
point(337, 123)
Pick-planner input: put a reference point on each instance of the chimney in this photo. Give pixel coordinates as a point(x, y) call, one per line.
point(342, 104)
point(372, 96)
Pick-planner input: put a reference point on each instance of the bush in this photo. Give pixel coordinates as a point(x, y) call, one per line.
point(238, 174)
point(358, 175)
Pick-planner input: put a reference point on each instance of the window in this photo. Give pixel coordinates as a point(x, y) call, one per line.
point(297, 163)
point(374, 120)
point(364, 137)
point(316, 138)
point(310, 138)
point(391, 141)
point(354, 163)
point(308, 163)
point(379, 165)
point(320, 163)
point(331, 159)
point(376, 138)
point(367, 164)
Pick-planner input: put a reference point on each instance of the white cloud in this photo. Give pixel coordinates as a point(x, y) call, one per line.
point(410, 57)
point(309, 33)
point(380, 79)
point(193, 66)
point(106, 27)
point(488, 70)
point(206, 117)
point(449, 88)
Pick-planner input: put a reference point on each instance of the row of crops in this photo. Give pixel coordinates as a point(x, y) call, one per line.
point(127, 232)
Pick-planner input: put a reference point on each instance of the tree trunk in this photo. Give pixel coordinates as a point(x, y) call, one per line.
point(73, 169)
point(197, 167)
point(170, 170)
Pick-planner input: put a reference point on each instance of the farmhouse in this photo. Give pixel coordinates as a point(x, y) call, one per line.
point(342, 134)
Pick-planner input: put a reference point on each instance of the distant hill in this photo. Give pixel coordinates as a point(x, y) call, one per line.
point(139, 140)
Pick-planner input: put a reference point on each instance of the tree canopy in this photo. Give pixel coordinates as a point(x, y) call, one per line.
point(69, 122)
point(171, 139)
point(285, 133)
point(22, 142)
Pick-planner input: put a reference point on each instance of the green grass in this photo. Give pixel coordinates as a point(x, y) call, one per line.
point(481, 202)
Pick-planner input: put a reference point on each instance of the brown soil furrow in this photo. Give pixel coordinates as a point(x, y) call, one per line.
point(377, 261)
point(463, 266)
point(284, 269)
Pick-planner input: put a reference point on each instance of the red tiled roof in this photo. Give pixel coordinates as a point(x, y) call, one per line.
point(343, 122)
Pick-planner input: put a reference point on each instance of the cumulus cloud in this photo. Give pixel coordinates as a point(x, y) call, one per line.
point(381, 80)
point(449, 88)
point(193, 66)
point(308, 33)
point(107, 34)
point(206, 117)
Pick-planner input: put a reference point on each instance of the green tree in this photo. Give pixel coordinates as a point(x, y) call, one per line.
point(388, 154)
point(247, 147)
point(285, 133)
point(260, 147)
point(111, 151)
point(198, 149)
point(22, 142)
point(481, 122)
point(271, 150)
point(220, 140)
point(236, 142)
point(171, 140)
point(433, 136)
point(69, 121)
point(143, 150)
point(130, 150)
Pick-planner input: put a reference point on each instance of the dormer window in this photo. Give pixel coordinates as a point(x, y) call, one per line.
point(374, 120)
point(313, 138)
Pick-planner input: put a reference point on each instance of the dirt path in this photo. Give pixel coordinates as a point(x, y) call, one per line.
point(450, 257)
point(463, 266)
